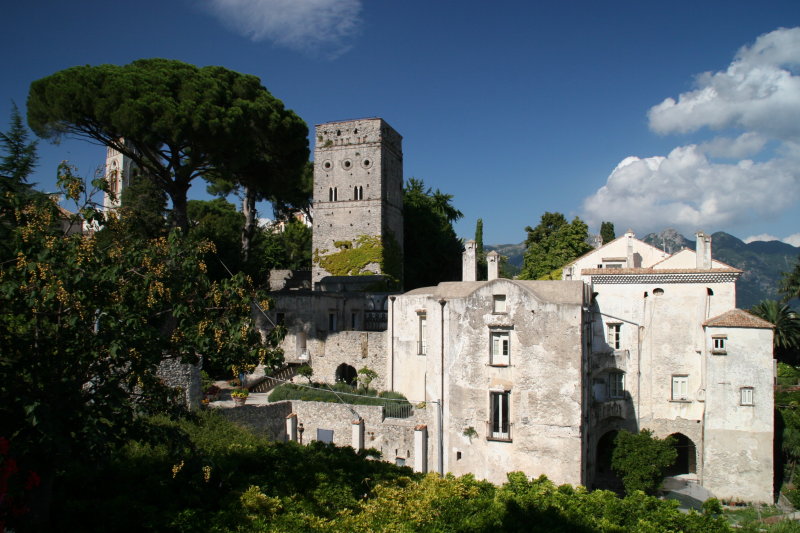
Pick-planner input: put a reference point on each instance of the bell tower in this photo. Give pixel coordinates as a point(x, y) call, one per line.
point(358, 200)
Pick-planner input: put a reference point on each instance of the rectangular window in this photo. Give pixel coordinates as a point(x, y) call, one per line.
point(746, 396)
point(331, 321)
point(499, 425)
point(499, 303)
point(680, 388)
point(325, 435)
point(500, 348)
point(616, 384)
point(422, 343)
point(354, 320)
point(719, 345)
point(614, 337)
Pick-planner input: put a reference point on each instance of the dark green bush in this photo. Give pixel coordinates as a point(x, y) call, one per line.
point(641, 460)
point(394, 403)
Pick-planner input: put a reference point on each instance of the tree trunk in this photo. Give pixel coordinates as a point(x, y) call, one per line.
point(249, 212)
point(180, 217)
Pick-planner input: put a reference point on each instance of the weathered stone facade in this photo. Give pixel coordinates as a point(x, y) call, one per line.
point(492, 350)
point(358, 192)
point(182, 376)
point(393, 437)
point(536, 376)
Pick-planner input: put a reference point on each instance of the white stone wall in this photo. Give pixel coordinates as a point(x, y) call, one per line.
point(738, 462)
point(393, 437)
point(644, 256)
point(544, 377)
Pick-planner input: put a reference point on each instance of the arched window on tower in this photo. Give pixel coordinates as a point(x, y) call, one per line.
point(355, 193)
point(335, 194)
point(330, 194)
point(360, 192)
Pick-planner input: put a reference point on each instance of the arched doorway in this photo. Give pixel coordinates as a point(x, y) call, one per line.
point(605, 449)
point(346, 374)
point(605, 478)
point(686, 462)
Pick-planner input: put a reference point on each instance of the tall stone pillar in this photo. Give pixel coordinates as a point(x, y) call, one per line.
point(469, 262)
point(358, 434)
point(493, 265)
point(421, 449)
point(291, 427)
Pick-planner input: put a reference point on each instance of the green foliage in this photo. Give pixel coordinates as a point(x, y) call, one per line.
point(483, 267)
point(202, 478)
point(218, 222)
point(85, 327)
point(366, 376)
point(354, 259)
point(19, 158)
point(607, 232)
point(393, 402)
point(552, 244)
point(17, 161)
point(143, 208)
point(790, 283)
point(179, 122)
point(786, 339)
point(287, 249)
point(221, 478)
point(306, 371)
point(641, 460)
point(432, 251)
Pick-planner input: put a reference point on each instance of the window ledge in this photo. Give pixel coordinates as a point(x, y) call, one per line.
point(679, 401)
point(499, 365)
point(719, 352)
point(499, 439)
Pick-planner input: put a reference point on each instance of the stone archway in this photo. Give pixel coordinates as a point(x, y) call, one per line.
point(686, 462)
point(604, 477)
point(346, 374)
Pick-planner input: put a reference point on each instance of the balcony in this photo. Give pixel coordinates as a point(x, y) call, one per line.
point(615, 408)
point(375, 320)
point(611, 359)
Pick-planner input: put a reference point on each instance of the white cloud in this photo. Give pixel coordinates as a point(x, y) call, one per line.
point(313, 26)
point(688, 189)
point(766, 237)
point(794, 239)
point(745, 145)
point(758, 91)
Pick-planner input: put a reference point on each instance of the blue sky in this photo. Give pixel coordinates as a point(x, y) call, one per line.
point(514, 108)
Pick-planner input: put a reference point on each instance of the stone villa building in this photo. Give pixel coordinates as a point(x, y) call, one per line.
point(506, 375)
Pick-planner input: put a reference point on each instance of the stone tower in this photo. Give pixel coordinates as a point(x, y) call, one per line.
point(358, 200)
point(119, 172)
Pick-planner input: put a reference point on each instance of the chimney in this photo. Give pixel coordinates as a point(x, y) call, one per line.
point(703, 250)
point(629, 235)
point(469, 262)
point(493, 263)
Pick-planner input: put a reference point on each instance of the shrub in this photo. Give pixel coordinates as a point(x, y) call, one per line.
point(641, 460)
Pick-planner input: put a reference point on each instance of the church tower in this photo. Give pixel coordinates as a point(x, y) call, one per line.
point(119, 172)
point(358, 200)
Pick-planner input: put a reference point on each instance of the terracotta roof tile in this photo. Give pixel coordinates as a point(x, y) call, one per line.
point(737, 318)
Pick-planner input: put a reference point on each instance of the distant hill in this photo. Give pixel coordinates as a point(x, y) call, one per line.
point(762, 262)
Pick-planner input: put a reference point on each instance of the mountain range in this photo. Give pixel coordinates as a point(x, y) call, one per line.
point(763, 262)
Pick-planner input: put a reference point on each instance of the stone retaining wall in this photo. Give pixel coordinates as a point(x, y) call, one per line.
point(393, 437)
